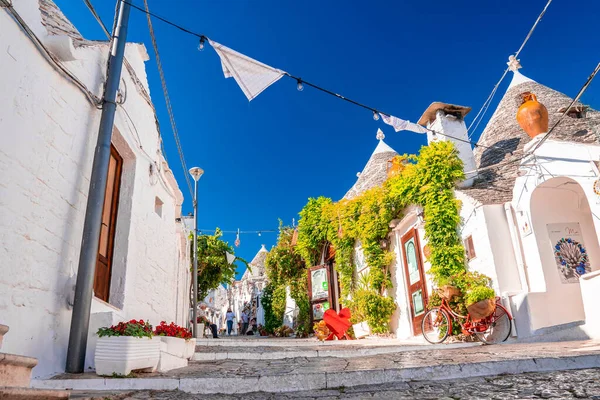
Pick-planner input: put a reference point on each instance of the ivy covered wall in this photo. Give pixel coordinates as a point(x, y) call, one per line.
point(428, 180)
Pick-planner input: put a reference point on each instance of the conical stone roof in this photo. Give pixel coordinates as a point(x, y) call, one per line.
point(503, 133)
point(375, 172)
point(258, 264)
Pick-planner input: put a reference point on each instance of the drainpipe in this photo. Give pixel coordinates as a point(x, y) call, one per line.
point(517, 247)
point(80, 318)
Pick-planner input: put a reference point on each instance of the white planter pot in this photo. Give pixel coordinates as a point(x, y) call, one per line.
point(122, 354)
point(361, 330)
point(200, 333)
point(174, 346)
point(190, 349)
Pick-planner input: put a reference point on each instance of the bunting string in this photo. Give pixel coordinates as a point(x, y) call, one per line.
point(253, 77)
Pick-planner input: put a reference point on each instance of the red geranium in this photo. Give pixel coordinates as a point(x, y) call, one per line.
point(172, 330)
point(131, 328)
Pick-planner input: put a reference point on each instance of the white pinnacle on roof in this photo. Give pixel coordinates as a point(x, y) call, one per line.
point(514, 65)
point(382, 147)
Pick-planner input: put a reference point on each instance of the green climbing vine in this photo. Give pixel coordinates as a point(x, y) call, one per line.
point(285, 268)
point(427, 180)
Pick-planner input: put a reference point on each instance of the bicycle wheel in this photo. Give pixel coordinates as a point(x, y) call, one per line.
point(435, 326)
point(499, 327)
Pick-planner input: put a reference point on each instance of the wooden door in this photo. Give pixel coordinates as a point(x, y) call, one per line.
point(415, 279)
point(319, 291)
point(107, 229)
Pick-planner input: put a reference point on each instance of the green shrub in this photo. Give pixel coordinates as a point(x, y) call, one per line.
point(478, 293)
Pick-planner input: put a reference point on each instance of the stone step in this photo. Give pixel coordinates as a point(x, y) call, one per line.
point(259, 341)
point(15, 371)
point(13, 393)
point(212, 353)
point(295, 374)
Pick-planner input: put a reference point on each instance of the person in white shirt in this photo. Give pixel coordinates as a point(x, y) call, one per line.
point(229, 317)
point(245, 322)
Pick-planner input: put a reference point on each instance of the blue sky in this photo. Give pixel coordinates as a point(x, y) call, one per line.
point(263, 159)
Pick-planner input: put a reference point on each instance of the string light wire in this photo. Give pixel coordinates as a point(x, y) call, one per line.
point(299, 80)
point(92, 98)
point(168, 101)
point(488, 101)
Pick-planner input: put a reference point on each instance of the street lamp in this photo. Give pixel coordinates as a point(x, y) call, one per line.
point(196, 173)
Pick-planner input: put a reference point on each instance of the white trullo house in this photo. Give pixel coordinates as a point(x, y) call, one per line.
point(530, 212)
point(48, 129)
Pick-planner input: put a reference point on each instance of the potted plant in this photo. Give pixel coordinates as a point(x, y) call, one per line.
point(178, 340)
point(125, 347)
point(480, 302)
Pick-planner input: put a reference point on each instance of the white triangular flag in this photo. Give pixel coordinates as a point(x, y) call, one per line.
point(230, 257)
point(402, 125)
point(251, 75)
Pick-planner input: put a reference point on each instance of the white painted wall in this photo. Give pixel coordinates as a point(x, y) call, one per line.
point(47, 137)
point(474, 224)
point(557, 186)
point(590, 293)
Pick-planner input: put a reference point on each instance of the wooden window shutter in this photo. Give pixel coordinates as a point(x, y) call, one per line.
point(469, 248)
point(108, 227)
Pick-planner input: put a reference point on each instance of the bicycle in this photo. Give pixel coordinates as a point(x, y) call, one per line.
point(495, 328)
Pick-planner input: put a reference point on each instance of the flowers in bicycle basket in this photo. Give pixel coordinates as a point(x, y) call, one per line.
point(472, 287)
point(478, 294)
point(133, 328)
point(172, 330)
point(571, 254)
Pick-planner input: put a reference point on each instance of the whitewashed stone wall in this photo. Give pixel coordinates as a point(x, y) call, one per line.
point(48, 132)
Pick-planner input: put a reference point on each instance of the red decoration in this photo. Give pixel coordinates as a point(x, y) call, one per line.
point(338, 324)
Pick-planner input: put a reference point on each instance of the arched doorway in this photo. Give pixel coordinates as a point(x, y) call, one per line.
point(567, 245)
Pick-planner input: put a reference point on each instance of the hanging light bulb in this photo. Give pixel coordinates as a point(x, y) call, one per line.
point(300, 86)
point(259, 233)
point(237, 239)
point(201, 44)
point(375, 116)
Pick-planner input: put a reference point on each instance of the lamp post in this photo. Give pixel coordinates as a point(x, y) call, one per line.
point(196, 173)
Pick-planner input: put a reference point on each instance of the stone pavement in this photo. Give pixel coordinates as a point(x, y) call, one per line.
point(301, 373)
point(580, 384)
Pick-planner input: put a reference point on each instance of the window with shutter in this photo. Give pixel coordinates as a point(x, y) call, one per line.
point(107, 229)
point(469, 248)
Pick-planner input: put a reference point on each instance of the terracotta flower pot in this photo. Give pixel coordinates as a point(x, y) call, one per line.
point(532, 115)
point(482, 309)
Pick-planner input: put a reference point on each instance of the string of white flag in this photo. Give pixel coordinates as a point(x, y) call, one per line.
point(252, 76)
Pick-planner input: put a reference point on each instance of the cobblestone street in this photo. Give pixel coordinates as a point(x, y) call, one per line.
point(579, 384)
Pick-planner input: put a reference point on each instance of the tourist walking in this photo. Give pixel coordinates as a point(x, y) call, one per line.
point(229, 318)
point(244, 321)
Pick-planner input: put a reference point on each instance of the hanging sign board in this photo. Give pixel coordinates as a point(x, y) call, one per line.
point(319, 291)
point(319, 284)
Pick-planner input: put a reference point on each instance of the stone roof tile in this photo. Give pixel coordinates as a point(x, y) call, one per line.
point(503, 133)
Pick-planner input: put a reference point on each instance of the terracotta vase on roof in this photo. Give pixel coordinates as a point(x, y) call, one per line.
point(532, 115)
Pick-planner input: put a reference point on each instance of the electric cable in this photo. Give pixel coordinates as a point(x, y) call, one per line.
point(488, 101)
point(168, 102)
point(92, 98)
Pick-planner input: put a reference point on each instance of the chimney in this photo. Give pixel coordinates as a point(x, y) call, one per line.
point(449, 121)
